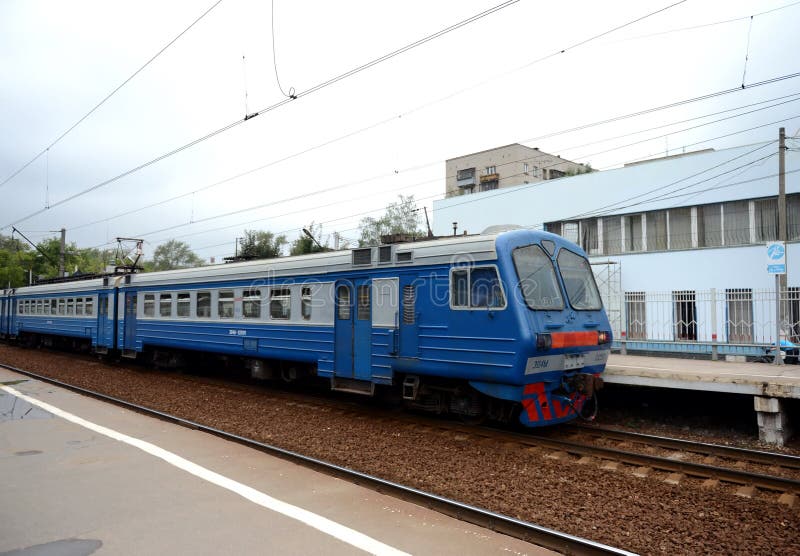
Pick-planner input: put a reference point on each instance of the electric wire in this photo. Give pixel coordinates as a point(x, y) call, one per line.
point(112, 93)
point(275, 106)
point(412, 168)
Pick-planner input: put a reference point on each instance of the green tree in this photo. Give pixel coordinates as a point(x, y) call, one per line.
point(261, 245)
point(400, 218)
point(304, 245)
point(174, 254)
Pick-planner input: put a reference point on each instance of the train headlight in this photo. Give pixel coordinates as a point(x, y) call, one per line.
point(603, 337)
point(544, 342)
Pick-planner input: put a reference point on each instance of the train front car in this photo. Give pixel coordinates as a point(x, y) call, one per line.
point(565, 334)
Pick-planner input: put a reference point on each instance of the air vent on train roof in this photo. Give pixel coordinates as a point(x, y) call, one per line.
point(362, 256)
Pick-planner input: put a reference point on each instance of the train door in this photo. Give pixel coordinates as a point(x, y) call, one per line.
point(409, 317)
point(353, 331)
point(130, 321)
point(102, 320)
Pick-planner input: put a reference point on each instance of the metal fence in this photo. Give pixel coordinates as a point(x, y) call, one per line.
point(730, 321)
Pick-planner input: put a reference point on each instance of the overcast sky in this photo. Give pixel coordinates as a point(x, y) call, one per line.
point(347, 150)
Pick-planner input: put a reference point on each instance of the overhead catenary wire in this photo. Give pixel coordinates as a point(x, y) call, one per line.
point(108, 96)
point(275, 106)
point(419, 166)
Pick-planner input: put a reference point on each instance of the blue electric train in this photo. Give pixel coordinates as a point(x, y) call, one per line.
point(479, 326)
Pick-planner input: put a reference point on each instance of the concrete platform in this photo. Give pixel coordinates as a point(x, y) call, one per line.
point(757, 379)
point(770, 384)
point(70, 490)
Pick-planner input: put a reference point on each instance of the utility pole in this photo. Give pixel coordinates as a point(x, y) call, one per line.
point(780, 279)
point(62, 253)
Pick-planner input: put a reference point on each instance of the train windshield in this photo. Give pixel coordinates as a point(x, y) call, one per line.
point(537, 278)
point(579, 281)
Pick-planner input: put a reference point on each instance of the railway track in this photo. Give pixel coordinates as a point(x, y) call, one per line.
point(542, 536)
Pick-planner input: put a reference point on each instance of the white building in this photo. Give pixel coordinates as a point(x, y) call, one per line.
point(682, 238)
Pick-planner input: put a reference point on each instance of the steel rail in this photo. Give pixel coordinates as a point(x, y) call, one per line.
point(736, 476)
point(755, 456)
point(529, 532)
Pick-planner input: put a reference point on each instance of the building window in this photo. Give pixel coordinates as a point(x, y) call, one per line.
point(709, 225)
point(684, 316)
point(280, 304)
point(490, 170)
point(612, 235)
point(225, 304)
point(589, 236)
point(636, 315)
point(184, 305)
point(766, 219)
point(536, 172)
point(555, 174)
point(489, 185)
point(680, 228)
point(739, 315)
point(736, 222)
point(251, 304)
point(467, 173)
point(634, 239)
point(165, 305)
point(525, 167)
point(793, 217)
point(657, 231)
point(204, 305)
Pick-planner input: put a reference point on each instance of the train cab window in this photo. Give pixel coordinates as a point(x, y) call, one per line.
point(343, 296)
point(251, 304)
point(305, 303)
point(184, 308)
point(225, 304)
point(476, 288)
point(203, 305)
point(364, 309)
point(537, 278)
point(280, 304)
point(579, 281)
point(89, 306)
point(149, 305)
point(79, 307)
point(71, 306)
point(165, 305)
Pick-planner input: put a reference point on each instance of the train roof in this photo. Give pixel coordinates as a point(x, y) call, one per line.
point(426, 252)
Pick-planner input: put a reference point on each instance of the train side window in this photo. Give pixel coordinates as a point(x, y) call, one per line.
point(225, 304)
point(305, 303)
point(90, 306)
point(459, 288)
point(364, 312)
point(149, 304)
point(280, 304)
point(70, 306)
point(251, 304)
point(184, 304)
point(53, 307)
point(79, 306)
point(485, 290)
point(204, 305)
point(165, 305)
point(62, 306)
point(343, 295)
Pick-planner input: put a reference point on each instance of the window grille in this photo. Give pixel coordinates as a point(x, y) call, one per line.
point(409, 304)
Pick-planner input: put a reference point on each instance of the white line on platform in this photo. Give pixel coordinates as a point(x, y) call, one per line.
point(325, 525)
